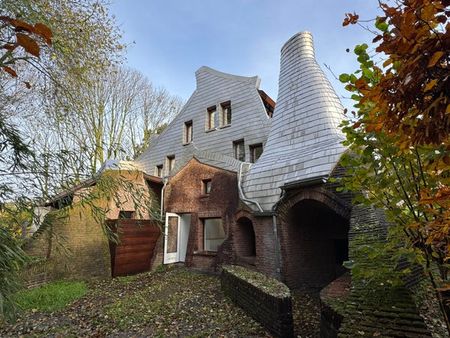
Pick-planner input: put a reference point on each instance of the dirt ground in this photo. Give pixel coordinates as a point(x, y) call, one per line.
point(176, 302)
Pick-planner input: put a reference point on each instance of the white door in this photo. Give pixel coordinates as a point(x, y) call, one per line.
point(172, 238)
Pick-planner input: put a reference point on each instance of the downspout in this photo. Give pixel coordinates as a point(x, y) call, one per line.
point(162, 199)
point(274, 224)
point(241, 192)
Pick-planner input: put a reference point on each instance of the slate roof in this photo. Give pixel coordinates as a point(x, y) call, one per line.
point(249, 121)
point(304, 140)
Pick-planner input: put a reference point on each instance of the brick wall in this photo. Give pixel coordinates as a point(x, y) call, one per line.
point(313, 232)
point(273, 312)
point(79, 246)
point(184, 194)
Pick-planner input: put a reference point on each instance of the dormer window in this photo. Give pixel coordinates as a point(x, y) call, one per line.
point(225, 112)
point(188, 132)
point(211, 118)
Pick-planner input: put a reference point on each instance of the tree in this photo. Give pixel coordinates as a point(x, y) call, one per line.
point(399, 137)
point(21, 43)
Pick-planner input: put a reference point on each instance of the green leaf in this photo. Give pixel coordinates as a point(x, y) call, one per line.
point(344, 78)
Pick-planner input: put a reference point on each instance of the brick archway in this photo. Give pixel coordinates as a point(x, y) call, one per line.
point(313, 228)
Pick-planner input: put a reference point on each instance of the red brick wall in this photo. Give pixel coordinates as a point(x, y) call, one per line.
point(265, 260)
point(184, 194)
point(308, 232)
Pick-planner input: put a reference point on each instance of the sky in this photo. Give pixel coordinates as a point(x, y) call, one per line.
point(170, 39)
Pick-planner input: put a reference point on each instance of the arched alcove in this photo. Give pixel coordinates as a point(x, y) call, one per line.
point(244, 239)
point(315, 244)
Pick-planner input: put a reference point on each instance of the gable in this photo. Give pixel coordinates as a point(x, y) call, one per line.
point(249, 120)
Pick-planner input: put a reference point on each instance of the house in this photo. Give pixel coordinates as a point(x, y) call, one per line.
point(245, 181)
point(242, 180)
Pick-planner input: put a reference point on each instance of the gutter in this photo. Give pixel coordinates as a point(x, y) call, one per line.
point(307, 182)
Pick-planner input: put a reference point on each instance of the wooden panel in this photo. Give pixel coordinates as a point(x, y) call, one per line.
point(135, 250)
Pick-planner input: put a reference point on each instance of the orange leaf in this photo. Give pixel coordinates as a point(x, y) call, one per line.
point(430, 85)
point(447, 110)
point(44, 31)
point(27, 84)
point(435, 58)
point(21, 25)
point(28, 44)
point(356, 125)
point(10, 71)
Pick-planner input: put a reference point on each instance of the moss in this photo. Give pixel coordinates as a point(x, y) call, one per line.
point(269, 285)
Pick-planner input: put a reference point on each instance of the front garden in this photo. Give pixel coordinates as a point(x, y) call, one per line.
point(171, 302)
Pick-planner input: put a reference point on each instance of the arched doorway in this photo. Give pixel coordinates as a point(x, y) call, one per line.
point(316, 245)
point(244, 240)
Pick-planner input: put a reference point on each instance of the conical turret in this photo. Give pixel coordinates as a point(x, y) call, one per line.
point(305, 140)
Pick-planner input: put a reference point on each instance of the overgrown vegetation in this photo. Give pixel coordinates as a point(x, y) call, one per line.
point(399, 135)
point(67, 105)
point(50, 297)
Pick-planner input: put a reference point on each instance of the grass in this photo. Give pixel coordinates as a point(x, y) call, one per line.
point(50, 297)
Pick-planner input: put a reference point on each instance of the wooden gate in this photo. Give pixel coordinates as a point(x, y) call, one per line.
point(137, 241)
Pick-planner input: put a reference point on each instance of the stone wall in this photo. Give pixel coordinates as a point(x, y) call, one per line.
point(265, 299)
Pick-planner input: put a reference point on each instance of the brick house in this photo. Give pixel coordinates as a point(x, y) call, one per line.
point(246, 182)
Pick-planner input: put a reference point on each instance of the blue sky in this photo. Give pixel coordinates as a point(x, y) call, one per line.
point(173, 38)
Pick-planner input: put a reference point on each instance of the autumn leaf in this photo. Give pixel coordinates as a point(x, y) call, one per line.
point(21, 25)
point(435, 58)
point(430, 85)
point(350, 19)
point(28, 44)
point(10, 71)
point(27, 84)
point(44, 31)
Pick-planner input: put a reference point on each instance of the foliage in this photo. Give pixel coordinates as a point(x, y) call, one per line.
point(399, 137)
point(17, 33)
point(50, 297)
point(12, 259)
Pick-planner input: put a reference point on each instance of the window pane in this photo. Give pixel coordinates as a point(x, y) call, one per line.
point(239, 150)
point(214, 233)
point(172, 234)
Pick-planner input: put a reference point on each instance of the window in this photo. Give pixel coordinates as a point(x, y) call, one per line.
point(159, 170)
point(239, 150)
point(170, 163)
point(126, 214)
point(211, 118)
point(188, 132)
point(255, 152)
point(225, 113)
point(206, 187)
point(213, 233)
